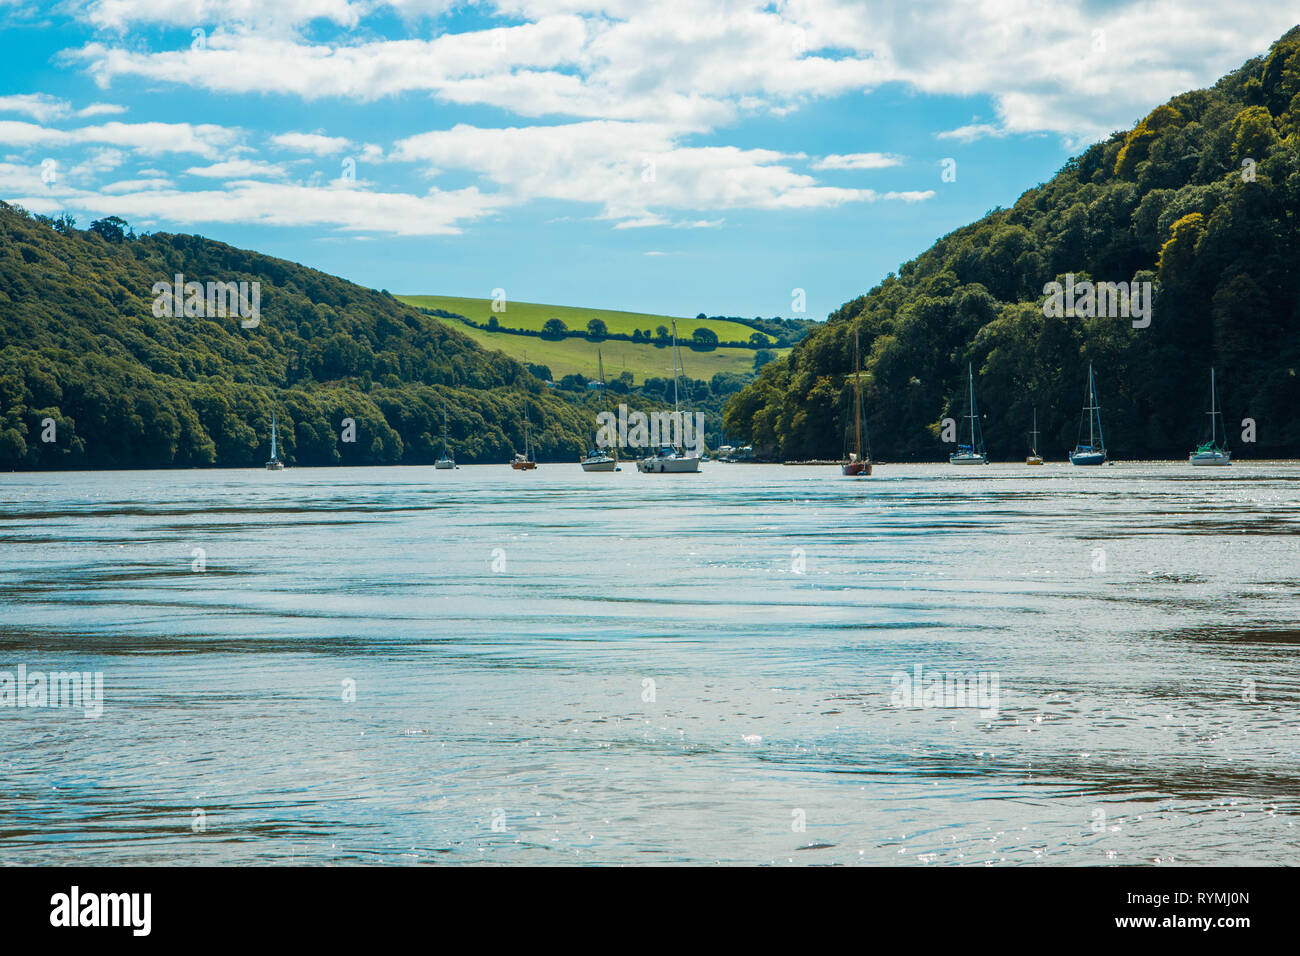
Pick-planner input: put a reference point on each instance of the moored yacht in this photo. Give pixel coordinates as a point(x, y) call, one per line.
point(972, 454)
point(275, 464)
point(527, 461)
point(1093, 453)
point(855, 465)
point(599, 459)
point(1034, 458)
point(1211, 452)
point(670, 459)
point(447, 460)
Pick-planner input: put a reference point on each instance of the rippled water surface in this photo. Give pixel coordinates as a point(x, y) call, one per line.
point(557, 667)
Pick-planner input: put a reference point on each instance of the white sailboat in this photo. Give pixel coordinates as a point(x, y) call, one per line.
point(527, 461)
point(670, 459)
point(1211, 452)
point(1093, 453)
point(275, 464)
point(447, 461)
point(1034, 458)
point(972, 454)
point(598, 459)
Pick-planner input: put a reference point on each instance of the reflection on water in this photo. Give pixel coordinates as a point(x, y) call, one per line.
point(561, 667)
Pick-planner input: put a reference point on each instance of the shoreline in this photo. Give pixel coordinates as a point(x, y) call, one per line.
point(1142, 462)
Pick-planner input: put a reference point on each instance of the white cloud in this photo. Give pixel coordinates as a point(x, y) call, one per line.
point(238, 60)
point(634, 171)
point(136, 185)
point(1064, 66)
point(103, 158)
point(118, 14)
point(202, 140)
point(315, 143)
point(278, 204)
point(858, 161)
point(972, 132)
point(606, 91)
point(43, 108)
point(1075, 68)
point(238, 169)
point(39, 106)
point(97, 161)
point(100, 109)
point(25, 179)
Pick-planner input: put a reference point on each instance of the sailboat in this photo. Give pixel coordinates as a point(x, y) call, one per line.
point(447, 461)
point(275, 464)
point(972, 454)
point(1034, 458)
point(671, 459)
point(1093, 453)
point(597, 459)
point(854, 464)
point(1211, 452)
point(527, 461)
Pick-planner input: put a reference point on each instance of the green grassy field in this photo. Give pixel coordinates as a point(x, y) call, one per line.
point(575, 355)
point(532, 316)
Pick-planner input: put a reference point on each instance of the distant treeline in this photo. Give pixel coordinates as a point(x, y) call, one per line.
point(1201, 199)
point(720, 385)
point(697, 394)
point(784, 332)
point(768, 333)
point(702, 340)
point(91, 378)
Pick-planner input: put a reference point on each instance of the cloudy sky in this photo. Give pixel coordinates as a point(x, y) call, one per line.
point(666, 156)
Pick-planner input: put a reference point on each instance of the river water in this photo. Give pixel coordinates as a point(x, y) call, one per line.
point(410, 666)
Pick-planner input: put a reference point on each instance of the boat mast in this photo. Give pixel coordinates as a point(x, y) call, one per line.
point(674, 365)
point(604, 395)
point(1213, 436)
point(528, 454)
point(1092, 406)
point(1092, 382)
point(971, 373)
point(1034, 443)
point(857, 397)
point(273, 436)
point(676, 413)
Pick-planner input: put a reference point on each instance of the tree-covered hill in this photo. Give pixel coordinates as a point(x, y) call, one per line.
point(80, 345)
point(1200, 198)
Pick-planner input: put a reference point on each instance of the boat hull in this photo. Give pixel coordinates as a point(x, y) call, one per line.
point(1224, 458)
point(1087, 458)
point(599, 464)
point(444, 464)
point(523, 465)
point(856, 469)
point(968, 459)
point(668, 466)
point(275, 466)
point(1033, 460)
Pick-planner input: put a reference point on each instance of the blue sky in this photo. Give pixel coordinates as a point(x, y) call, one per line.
point(671, 157)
